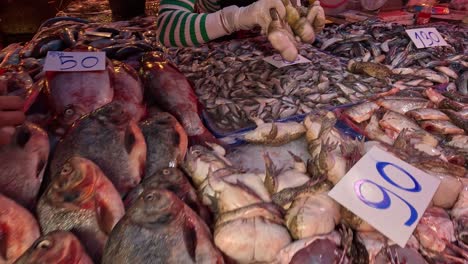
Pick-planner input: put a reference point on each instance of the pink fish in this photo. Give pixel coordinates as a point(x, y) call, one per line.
point(173, 93)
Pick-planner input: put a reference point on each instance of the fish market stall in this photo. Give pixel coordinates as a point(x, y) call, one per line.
point(133, 152)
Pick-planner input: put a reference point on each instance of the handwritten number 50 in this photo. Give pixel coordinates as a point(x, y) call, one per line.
point(87, 62)
point(66, 60)
point(386, 201)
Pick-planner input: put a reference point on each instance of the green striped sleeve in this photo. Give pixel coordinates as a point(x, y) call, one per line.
point(209, 6)
point(173, 32)
point(203, 28)
point(182, 30)
point(178, 25)
point(193, 35)
point(186, 5)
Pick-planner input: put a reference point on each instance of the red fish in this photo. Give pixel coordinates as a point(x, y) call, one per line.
point(59, 247)
point(128, 89)
point(174, 94)
point(23, 163)
point(82, 200)
point(74, 94)
point(18, 230)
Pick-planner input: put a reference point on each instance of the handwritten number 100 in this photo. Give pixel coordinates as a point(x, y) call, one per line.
point(386, 201)
point(423, 37)
point(86, 62)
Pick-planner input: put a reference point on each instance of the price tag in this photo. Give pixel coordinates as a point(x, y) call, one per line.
point(426, 37)
point(278, 61)
point(75, 61)
point(388, 193)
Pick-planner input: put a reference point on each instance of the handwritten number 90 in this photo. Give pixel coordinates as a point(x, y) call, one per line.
point(386, 200)
point(87, 62)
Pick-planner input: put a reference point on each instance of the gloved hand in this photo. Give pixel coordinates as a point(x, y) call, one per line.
point(316, 16)
point(244, 18)
point(11, 113)
point(281, 38)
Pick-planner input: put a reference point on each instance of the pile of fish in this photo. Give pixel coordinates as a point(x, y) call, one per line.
point(389, 44)
point(121, 40)
point(123, 188)
point(288, 216)
point(430, 116)
point(234, 83)
point(99, 10)
point(68, 195)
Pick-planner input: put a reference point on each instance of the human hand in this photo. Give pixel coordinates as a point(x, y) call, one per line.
point(11, 113)
point(281, 39)
point(316, 16)
point(258, 13)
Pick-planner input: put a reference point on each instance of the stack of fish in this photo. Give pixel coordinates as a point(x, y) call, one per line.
point(122, 40)
point(106, 147)
point(262, 205)
point(234, 83)
point(389, 44)
point(438, 118)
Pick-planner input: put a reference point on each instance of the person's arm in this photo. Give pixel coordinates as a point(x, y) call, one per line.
point(178, 25)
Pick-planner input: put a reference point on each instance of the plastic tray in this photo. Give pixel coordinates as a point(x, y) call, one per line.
point(236, 137)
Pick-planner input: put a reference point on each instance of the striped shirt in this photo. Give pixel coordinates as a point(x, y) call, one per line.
point(180, 25)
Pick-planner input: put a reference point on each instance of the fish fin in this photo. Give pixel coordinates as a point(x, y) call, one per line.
point(192, 204)
point(311, 170)
point(129, 140)
point(273, 132)
point(107, 217)
point(270, 174)
point(183, 140)
point(295, 157)
point(352, 152)
point(204, 137)
point(40, 167)
point(217, 148)
point(329, 121)
point(190, 239)
point(132, 196)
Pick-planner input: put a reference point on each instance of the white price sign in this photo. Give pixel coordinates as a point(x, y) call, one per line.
point(388, 193)
point(75, 61)
point(278, 61)
point(426, 37)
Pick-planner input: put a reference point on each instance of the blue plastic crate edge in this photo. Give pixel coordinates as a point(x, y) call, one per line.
point(235, 138)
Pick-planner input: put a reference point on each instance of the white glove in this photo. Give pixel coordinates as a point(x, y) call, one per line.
point(316, 17)
point(282, 39)
point(244, 18)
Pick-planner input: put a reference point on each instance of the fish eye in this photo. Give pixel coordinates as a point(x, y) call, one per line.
point(69, 112)
point(166, 172)
point(149, 197)
point(67, 169)
point(44, 244)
